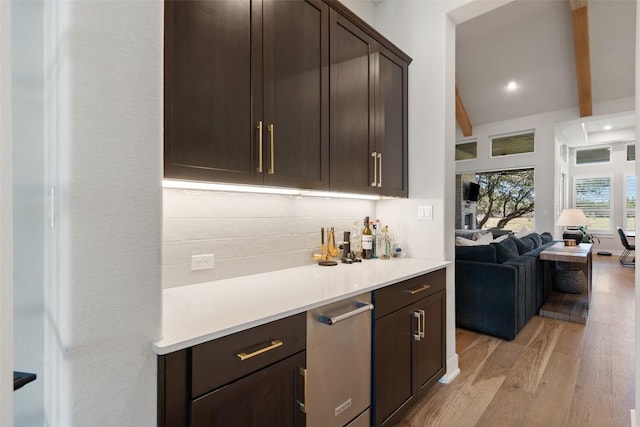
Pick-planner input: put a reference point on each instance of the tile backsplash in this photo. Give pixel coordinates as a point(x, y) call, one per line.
point(247, 233)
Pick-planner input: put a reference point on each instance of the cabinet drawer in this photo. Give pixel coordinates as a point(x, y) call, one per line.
point(220, 361)
point(393, 297)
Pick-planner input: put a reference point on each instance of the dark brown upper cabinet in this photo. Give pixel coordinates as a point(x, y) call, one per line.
point(246, 92)
point(262, 91)
point(368, 104)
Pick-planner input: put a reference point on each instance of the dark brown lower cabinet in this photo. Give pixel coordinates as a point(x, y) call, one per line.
point(252, 378)
point(266, 398)
point(409, 343)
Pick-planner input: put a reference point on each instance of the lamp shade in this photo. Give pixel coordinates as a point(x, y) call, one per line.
point(572, 218)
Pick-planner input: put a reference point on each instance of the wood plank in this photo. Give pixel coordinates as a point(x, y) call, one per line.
point(580, 19)
point(462, 117)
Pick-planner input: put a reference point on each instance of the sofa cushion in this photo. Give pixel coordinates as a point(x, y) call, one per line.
point(536, 237)
point(506, 251)
point(523, 245)
point(484, 253)
point(532, 240)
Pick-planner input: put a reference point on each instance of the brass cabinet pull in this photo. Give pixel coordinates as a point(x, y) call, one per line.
point(274, 344)
point(418, 289)
point(272, 169)
point(417, 335)
point(259, 169)
point(301, 405)
point(380, 170)
point(375, 169)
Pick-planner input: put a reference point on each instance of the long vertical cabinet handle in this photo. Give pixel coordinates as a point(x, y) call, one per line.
point(422, 317)
point(271, 129)
point(301, 405)
point(380, 170)
point(375, 169)
point(416, 336)
point(259, 169)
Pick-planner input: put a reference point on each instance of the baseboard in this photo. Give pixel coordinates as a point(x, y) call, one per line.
point(633, 418)
point(452, 370)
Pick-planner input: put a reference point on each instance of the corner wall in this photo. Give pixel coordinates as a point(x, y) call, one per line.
point(103, 89)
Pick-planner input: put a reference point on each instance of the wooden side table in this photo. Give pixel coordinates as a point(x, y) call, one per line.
point(560, 305)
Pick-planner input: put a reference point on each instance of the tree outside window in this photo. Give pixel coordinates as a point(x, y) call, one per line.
point(506, 197)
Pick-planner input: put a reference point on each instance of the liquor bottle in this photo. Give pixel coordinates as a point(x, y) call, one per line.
point(367, 240)
point(374, 241)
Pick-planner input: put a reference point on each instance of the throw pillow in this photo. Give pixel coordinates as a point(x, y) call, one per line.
point(535, 236)
point(461, 241)
point(501, 238)
point(529, 238)
point(485, 239)
point(546, 237)
point(523, 232)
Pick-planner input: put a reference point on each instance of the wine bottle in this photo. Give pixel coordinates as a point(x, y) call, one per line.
point(374, 240)
point(367, 240)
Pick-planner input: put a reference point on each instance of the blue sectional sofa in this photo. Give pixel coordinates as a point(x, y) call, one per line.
point(500, 286)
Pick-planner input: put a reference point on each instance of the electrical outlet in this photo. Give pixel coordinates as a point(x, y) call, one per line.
point(201, 262)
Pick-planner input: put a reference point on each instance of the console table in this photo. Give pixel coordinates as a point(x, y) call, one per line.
point(561, 305)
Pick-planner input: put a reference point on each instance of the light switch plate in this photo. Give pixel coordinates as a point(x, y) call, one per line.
point(425, 212)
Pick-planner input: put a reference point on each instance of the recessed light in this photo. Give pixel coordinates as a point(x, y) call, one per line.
point(607, 127)
point(512, 86)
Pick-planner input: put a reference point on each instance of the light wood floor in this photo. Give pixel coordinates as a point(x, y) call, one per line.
point(554, 373)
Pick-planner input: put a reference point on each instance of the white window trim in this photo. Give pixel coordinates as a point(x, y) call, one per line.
point(504, 135)
point(611, 200)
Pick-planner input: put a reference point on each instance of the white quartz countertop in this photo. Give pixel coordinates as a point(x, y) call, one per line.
point(198, 313)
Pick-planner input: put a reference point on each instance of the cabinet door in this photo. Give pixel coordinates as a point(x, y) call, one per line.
point(351, 100)
point(393, 347)
point(391, 140)
point(296, 93)
point(266, 398)
point(212, 90)
point(429, 352)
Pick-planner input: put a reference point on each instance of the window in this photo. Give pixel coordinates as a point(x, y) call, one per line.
point(512, 144)
point(631, 152)
point(630, 203)
point(467, 151)
point(593, 196)
point(593, 155)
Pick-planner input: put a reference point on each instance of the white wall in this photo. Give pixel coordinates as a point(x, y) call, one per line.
point(103, 63)
point(28, 206)
point(248, 233)
point(6, 225)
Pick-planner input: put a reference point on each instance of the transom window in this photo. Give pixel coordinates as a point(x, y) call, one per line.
point(631, 152)
point(512, 144)
point(467, 150)
point(593, 155)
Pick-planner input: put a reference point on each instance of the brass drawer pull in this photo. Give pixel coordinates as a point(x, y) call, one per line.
point(274, 344)
point(418, 289)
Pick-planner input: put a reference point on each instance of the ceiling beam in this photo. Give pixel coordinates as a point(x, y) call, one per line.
point(580, 19)
point(461, 116)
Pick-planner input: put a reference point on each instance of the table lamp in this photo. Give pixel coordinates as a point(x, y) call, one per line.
point(572, 218)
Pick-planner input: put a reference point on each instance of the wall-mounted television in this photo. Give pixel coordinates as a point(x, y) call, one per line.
point(471, 191)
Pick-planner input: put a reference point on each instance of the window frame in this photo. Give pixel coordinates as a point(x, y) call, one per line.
point(611, 200)
point(630, 144)
point(506, 135)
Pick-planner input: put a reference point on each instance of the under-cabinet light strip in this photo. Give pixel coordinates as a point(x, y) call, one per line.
point(197, 185)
